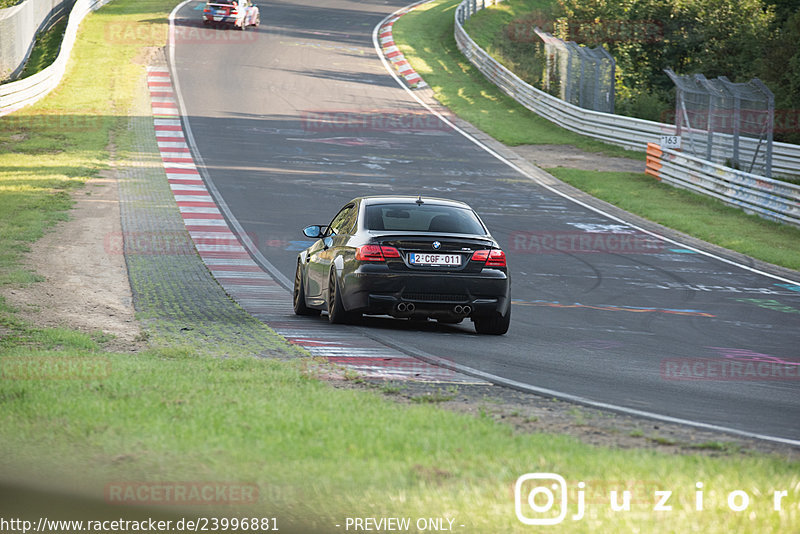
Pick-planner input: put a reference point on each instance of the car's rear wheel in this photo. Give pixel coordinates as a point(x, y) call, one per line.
point(495, 325)
point(299, 295)
point(336, 312)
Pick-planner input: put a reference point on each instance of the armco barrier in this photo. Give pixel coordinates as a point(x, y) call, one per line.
point(19, 25)
point(627, 132)
point(23, 92)
point(771, 199)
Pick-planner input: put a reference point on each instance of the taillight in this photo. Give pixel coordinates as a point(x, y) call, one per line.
point(376, 253)
point(493, 258)
point(480, 255)
point(390, 252)
point(497, 258)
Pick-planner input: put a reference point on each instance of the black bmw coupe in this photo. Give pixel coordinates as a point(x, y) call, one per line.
point(408, 257)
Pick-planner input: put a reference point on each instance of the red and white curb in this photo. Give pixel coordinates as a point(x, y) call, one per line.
point(395, 56)
point(246, 282)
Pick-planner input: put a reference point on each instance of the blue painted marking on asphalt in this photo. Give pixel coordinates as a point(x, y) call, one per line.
point(791, 287)
point(683, 251)
point(299, 245)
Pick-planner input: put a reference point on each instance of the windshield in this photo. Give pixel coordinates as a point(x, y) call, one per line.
point(423, 218)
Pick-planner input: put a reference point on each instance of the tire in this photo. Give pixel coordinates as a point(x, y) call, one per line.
point(496, 325)
point(299, 296)
point(336, 312)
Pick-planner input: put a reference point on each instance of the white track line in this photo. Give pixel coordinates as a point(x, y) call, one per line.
point(544, 391)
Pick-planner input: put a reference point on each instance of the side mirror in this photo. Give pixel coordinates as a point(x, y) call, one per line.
point(314, 232)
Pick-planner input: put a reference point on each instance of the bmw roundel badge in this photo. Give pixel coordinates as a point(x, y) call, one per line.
point(436, 245)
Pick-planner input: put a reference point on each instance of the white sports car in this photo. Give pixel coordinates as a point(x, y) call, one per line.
point(238, 13)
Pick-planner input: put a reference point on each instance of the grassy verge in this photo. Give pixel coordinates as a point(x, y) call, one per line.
point(316, 452)
point(73, 412)
point(46, 49)
point(426, 38)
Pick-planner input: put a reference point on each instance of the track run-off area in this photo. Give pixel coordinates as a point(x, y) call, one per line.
point(288, 121)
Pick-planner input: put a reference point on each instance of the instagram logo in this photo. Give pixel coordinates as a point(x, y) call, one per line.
point(538, 490)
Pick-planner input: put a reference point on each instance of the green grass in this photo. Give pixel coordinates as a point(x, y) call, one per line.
point(50, 149)
point(180, 412)
point(46, 49)
point(9, 3)
point(469, 95)
point(171, 414)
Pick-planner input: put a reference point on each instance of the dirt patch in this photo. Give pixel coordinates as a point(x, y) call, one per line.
point(528, 413)
point(551, 156)
point(85, 283)
point(150, 56)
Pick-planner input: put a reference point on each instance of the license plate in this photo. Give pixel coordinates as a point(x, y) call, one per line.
point(417, 258)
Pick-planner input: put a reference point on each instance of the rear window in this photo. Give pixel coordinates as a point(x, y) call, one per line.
point(423, 218)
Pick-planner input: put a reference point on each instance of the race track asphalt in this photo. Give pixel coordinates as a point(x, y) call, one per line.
point(297, 117)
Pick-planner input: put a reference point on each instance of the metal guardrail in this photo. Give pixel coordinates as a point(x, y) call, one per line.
point(19, 25)
point(771, 199)
point(16, 95)
point(628, 132)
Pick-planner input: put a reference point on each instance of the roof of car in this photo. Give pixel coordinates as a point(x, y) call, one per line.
point(402, 199)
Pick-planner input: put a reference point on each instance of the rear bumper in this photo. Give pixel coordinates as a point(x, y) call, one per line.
point(373, 290)
point(220, 19)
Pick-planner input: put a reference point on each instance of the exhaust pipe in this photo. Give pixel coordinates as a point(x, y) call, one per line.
point(462, 310)
point(459, 309)
point(466, 310)
point(404, 307)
